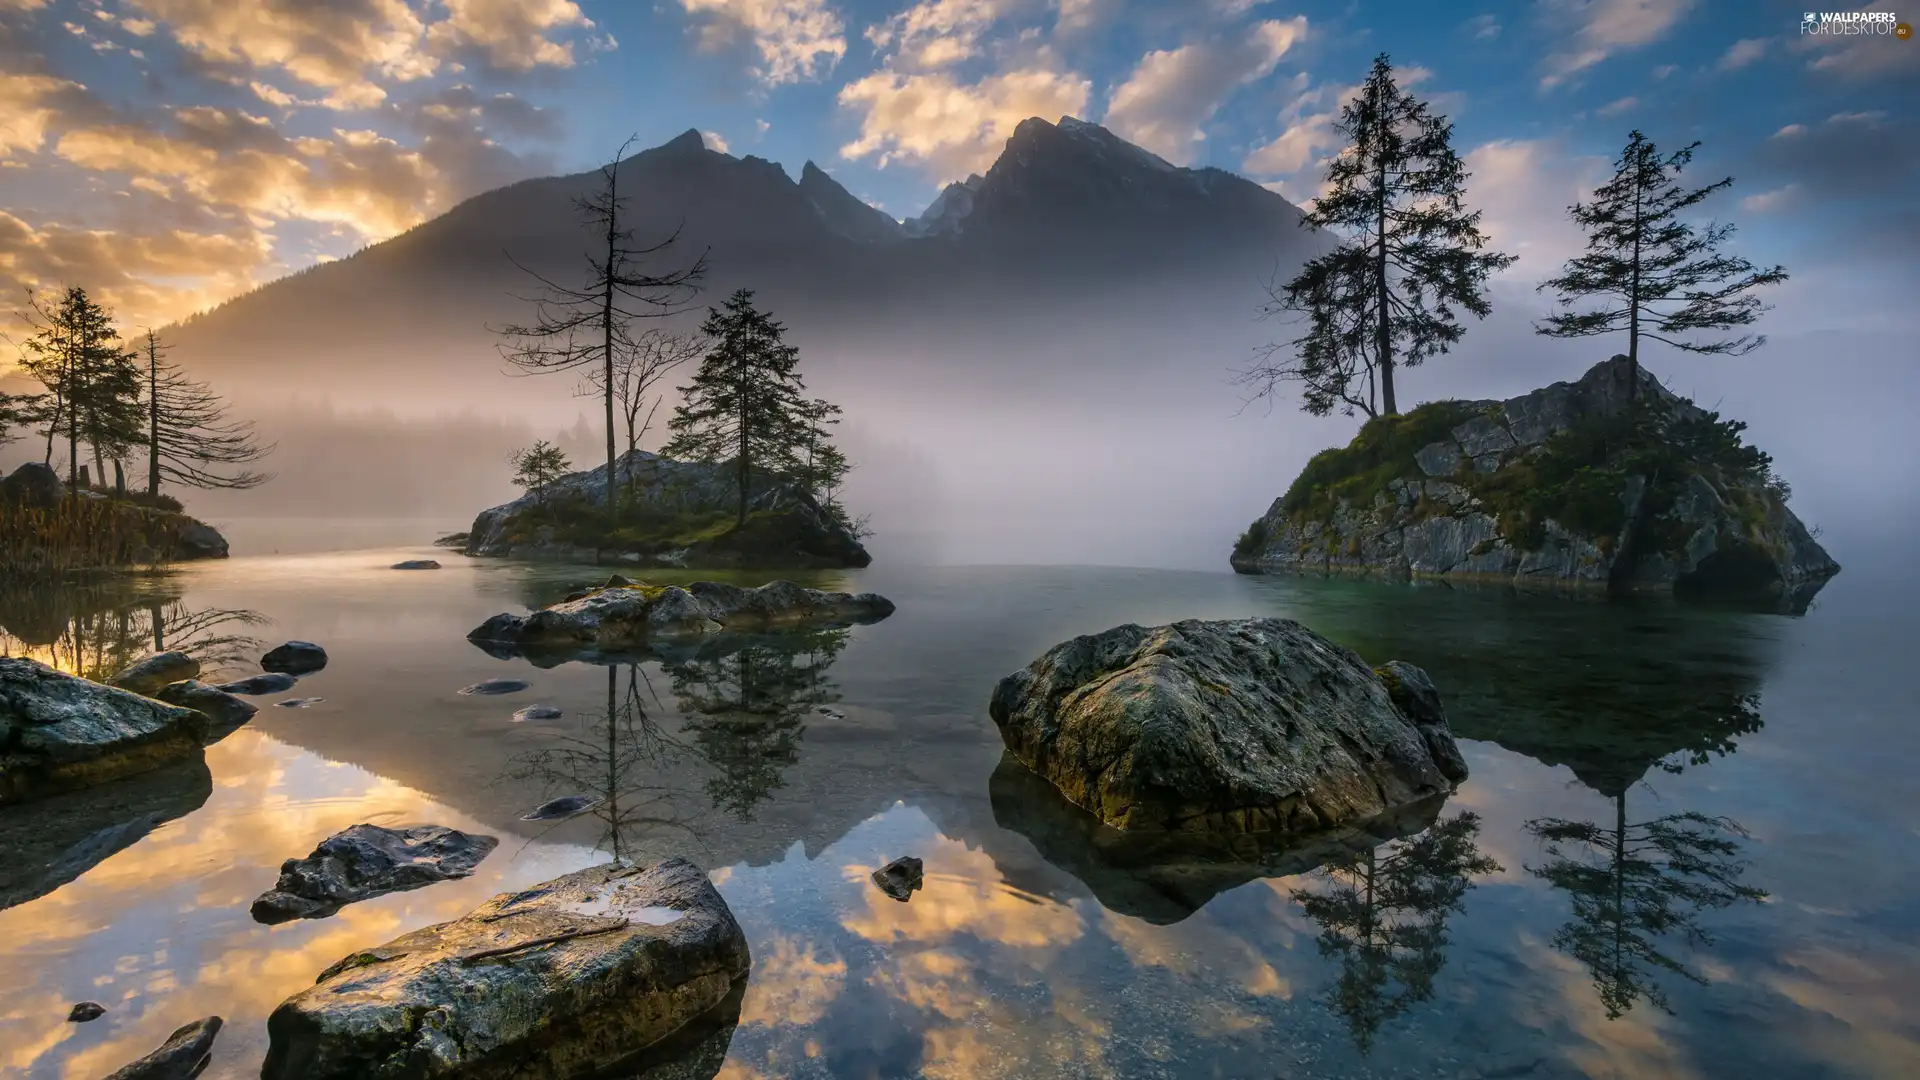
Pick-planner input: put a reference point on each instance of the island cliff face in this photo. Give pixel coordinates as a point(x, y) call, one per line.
point(1563, 488)
point(674, 514)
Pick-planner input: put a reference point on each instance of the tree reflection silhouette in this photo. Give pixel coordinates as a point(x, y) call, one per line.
point(96, 630)
point(1383, 915)
point(746, 706)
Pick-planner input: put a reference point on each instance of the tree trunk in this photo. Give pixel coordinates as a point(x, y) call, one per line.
point(1383, 334)
point(740, 389)
point(606, 319)
point(119, 480)
point(1633, 293)
point(153, 417)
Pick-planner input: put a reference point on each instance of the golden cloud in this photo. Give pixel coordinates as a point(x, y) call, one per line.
point(29, 105)
point(950, 127)
point(513, 34)
point(794, 40)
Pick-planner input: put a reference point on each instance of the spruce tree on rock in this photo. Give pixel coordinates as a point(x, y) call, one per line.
point(1649, 274)
point(746, 404)
point(1409, 256)
point(76, 353)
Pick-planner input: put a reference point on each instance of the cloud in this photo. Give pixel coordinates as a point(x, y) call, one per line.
point(1524, 187)
point(1484, 27)
point(1311, 125)
point(1742, 52)
point(1600, 28)
point(29, 106)
point(1764, 202)
point(951, 127)
point(715, 141)
point(1660, 73)
point(1616, 107)
point(340, 46)
point(794, 40)
point(938, 33)
point(513, 35)
point(1171, 93)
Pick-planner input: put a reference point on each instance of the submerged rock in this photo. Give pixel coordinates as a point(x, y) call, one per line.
point(294, 658)
point(367, 861)
point(900, 878)
point(59, 732)
point(300, 702)
point(49, 842)
point(562, 808)
point(156, 671)
point(272, 682)
point(536, 712)
point(183, 1056)
point(224, 711)
point(86, 1012)
point(1552, 489)
point(416, 564)
point(571, 978)
point(628, 616)
point(494, 687)
point(452, 540)
point(1241, 726)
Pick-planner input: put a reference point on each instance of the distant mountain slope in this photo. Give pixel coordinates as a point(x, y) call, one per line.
point(1070, 214)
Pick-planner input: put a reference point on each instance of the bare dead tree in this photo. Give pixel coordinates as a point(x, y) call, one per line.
point(575, 326)
point(190, 439)
point(636, 372)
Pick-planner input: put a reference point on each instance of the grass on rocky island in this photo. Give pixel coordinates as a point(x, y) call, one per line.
point(646, 526)
point(82, 535)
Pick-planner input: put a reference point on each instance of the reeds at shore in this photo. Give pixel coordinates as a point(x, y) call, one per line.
point(81, 535)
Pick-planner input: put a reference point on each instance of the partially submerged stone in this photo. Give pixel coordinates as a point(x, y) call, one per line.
point(570, 978)
point(494, 687)
point(1241, 726)
point(562, 808)
point(417, 564)
point(365, 861)
point(59, 732)
point(156, 671)
point(272, 682)
point(86, 1012)
point(224, 711)
point(184, 1055)
point(900, 878)
point(628, 616)
point(294, 658)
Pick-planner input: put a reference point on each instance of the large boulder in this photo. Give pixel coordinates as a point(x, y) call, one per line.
point(365, 861)
point(198, 540)
point(33, 485)
point(225, 712)
point(566, 979)
point(620, 617)
point(1568, 488)
point(156, 671)
point(59, 732)
point(683, 516)
point(294, 658)
point(1242, 726)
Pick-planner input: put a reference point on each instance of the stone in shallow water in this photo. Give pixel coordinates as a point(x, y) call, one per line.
point(367, 861)
point(495, 686)
point(1238, 726)
point(900, 878)
point(184, 1055)
point(417, 564)
point(567, 979)
point(295, 658)
point(155, 672)
point(537, 712)
point(86, 1011)
point(562, 808)
point(300, 702)
point(273, 682)
point(224, 711)
point(63, 733)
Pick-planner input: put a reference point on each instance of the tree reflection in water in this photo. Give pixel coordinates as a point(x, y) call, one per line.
point(1383, 915)
point(1636, 887)
point(97, 630)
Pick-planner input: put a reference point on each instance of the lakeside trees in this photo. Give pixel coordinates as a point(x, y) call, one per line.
point(577, 326)
point(190, 439)
point(1407, 254)
point(1647, 273)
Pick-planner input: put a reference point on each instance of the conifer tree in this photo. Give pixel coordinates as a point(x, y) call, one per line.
point(1649, 274)
point(1408, 255)
point(190, 440)
point(76, 353)
point(745, 404)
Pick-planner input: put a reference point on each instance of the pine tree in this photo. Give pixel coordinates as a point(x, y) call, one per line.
point(76, 353)
point(1408, 255)
point(538, 466)
point(745, 404)
point(575, 326)
point(1649, 273)
point(18, 411)
point(190, 440)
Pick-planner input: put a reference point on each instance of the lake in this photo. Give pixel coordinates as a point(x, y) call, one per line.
point(1685, 848)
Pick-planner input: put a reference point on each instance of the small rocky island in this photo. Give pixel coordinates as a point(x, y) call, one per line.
point(48, 526)
point(1242, 727)
point(1571, 487)
point(624, 615)
point(682, 514)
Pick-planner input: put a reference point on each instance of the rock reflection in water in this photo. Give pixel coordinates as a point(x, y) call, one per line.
point(49, 842)
point(97, 630)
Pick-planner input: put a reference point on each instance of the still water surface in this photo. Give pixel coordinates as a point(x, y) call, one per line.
point(1685, 849)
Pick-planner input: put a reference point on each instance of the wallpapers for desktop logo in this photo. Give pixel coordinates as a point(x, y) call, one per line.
point(1854, 22)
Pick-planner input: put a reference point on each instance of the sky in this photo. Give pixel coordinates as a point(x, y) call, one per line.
point(171, 153)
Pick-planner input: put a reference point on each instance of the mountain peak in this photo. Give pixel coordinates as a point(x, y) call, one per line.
point(690, 139)
point(844, 212)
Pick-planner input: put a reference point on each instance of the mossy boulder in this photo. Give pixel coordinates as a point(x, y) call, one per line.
point(1572, 486)
point(59, 732)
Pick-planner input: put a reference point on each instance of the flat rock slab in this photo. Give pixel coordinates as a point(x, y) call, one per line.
point(627, 616)
point(563, 980)
point(490, 687)
point(367, 861)
point(183, 1056)
point(273, 682)
point(294, 658)
point(155, 672)
point(417, 564)
point(224, 712)
point(1240, 726)
point(59, 732)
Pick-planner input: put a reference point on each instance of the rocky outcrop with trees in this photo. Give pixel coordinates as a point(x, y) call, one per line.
point(1569, 486)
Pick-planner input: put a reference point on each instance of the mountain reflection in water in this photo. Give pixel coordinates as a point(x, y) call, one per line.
point(1584, 906)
